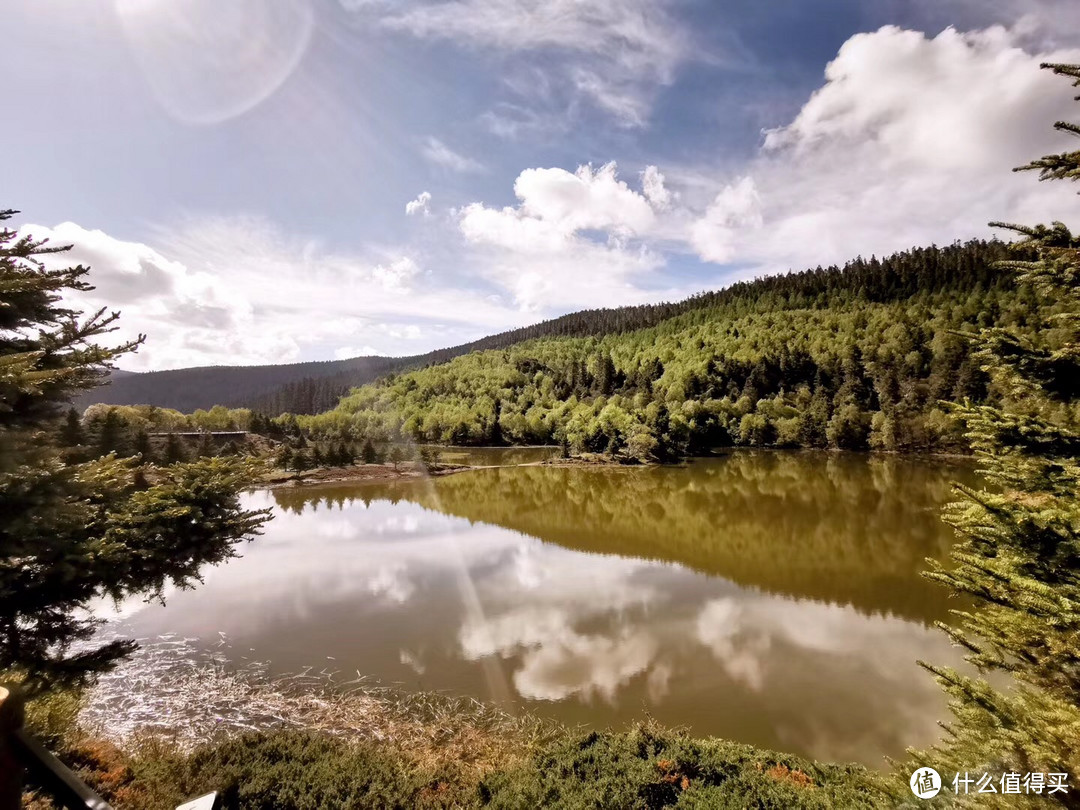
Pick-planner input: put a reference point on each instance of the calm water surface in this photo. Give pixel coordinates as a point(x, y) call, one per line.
point(771, 598)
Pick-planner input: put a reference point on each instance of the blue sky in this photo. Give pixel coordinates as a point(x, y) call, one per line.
point(310, 179)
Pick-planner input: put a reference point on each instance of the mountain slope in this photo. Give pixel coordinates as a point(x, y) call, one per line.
point(844, 358)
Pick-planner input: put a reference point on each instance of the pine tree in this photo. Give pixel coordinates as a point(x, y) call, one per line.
point(174, 450)
point(1019, 550)
point(368, 454)
point(397, 455)
point(206, 447)
point(301, 461)
point(71, 434)
point(110, 435)
point(141, 446)
point(74, 532)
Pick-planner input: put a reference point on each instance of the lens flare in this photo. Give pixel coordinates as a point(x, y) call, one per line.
point(208, 61)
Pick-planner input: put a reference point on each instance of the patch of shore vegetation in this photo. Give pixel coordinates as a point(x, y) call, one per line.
point(174, 722)
point(454, 760)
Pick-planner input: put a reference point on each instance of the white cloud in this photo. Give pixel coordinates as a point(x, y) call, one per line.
point(420, 205)
point(735, 209)
point(238, 291)
point(615, 52)
point(438, 153)
point(398, 275)
point(537, 606)
point(541, 251)
point(652, 185)
point(510, 121)
point(910, 141)
point(1047, 24)
point(347, 352)
point(408, 331)
point(392, 583)
point(586, 199)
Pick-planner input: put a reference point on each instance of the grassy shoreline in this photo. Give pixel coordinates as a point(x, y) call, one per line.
point(473, 759)
point(192, 724)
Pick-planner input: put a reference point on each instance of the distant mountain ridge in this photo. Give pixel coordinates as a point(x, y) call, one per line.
point(313, 387)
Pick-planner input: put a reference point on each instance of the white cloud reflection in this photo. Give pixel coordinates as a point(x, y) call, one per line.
point(406, 594)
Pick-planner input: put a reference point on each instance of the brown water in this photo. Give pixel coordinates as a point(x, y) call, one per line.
point(771, 598)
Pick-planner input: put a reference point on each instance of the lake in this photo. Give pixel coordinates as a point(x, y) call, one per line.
point(767, 597)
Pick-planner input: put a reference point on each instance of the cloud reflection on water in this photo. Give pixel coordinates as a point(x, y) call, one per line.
point(377, 587)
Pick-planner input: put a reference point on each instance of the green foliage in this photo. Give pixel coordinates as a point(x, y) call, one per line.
point(301, 461)
point(847, 359)
point(1019, 555)
point(648, 768)
point(368, 455)
point(643, 768)
point(52, 717)
point(291, 770)
point(174, 450)
point(71, 532)
point(71, 433)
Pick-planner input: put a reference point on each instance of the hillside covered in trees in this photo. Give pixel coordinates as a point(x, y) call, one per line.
point(313, 387)
point(855, 357)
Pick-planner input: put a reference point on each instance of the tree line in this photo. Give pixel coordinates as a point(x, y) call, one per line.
point(858, 357)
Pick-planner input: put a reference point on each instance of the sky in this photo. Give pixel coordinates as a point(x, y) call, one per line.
point(257, 182)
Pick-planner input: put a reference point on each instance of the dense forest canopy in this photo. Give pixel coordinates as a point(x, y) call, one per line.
point(854, 358)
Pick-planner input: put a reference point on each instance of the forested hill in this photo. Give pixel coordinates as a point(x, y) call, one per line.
point(850, 358)
point(307, 388)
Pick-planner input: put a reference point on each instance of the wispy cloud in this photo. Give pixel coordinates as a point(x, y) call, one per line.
point(439, 154)
point(613, 52)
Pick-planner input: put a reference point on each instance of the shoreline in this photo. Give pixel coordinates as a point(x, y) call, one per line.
point(359, 473)
point(416, 471)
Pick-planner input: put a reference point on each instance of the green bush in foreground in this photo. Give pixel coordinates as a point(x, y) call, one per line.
point(643, 768)
point(289, 769)
point(648, 768)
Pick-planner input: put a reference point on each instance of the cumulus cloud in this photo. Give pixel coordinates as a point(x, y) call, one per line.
point(1044, 23)
point(613, 52)
point(398, 275)
point(439, 154)
point(735, 209)
point(544, 250)
point(652, 185)
point(909, 141)
point(538, 603)
point(420, 205)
